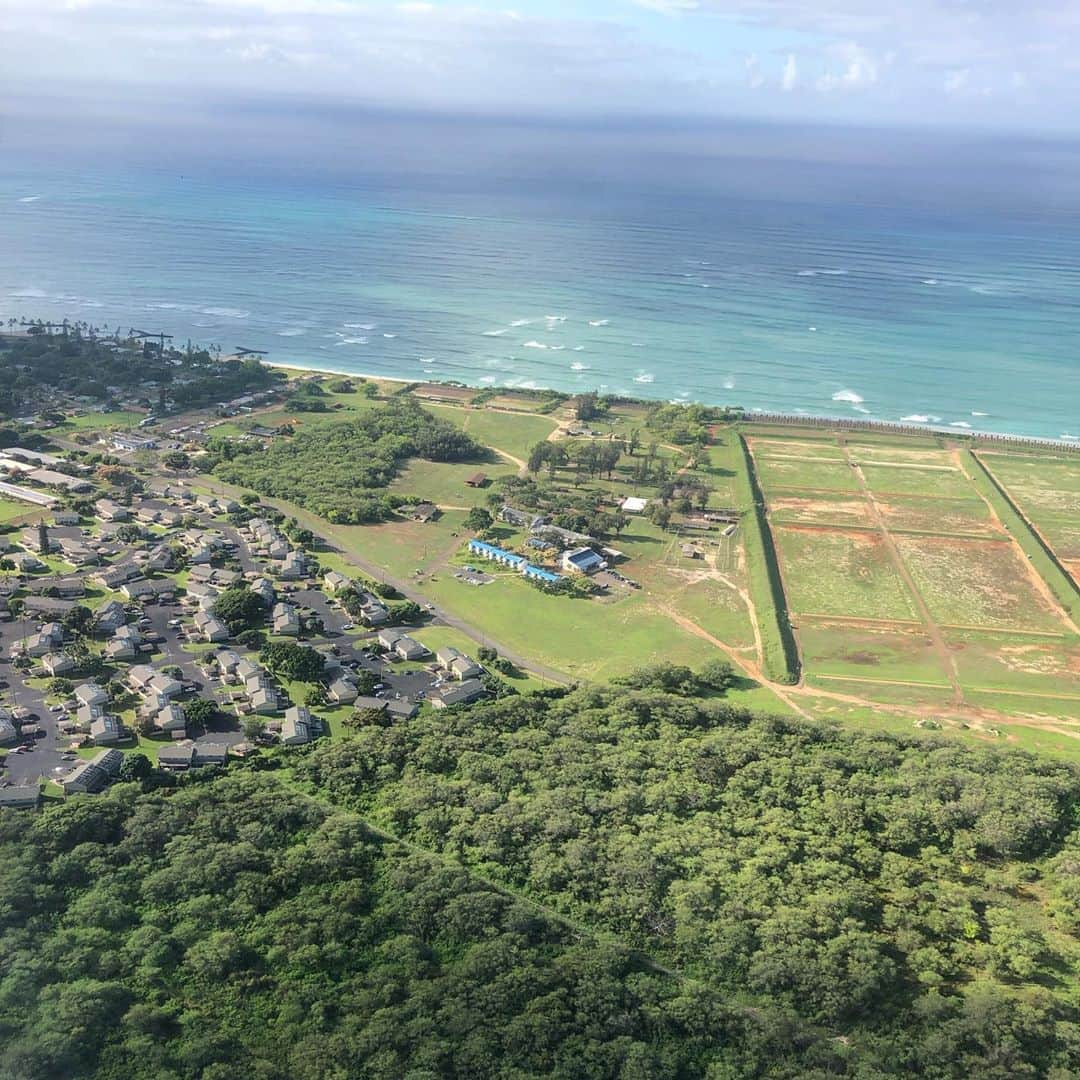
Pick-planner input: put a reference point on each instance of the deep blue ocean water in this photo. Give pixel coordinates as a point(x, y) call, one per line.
point(829, 272)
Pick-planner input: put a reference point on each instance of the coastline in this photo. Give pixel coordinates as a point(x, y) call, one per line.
point(754, 415)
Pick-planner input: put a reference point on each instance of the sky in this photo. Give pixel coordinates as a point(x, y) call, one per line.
point(990, 64)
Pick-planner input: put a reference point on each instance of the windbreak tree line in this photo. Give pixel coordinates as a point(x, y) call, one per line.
point(339, 469)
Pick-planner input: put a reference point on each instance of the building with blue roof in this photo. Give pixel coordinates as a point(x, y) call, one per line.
point(582, 560)
point(516, 562)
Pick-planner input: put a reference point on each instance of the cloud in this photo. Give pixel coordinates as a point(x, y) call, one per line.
point(790, 78)
point(859, 69)
point(754, 76)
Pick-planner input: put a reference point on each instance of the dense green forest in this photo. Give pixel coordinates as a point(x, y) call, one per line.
point(886, 889)
point(87, 366)
point(231, 928)
point(337, 468)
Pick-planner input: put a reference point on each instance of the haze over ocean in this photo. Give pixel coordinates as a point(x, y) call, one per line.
point(836, 272)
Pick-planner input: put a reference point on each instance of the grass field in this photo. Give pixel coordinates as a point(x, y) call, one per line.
point(837, 573)
point(1023, 664)
point(871, 652)
point(13, 508)
point(99, 421)
point(443, 483)
point(795, 474)
point(516, 433)
point(977, 583)
point(948, 517)
point(844, 511)
point(941, 483)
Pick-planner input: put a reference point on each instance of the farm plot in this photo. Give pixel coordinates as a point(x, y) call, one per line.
point(957, 517)
point(837, 510)
point(867, 653)
point(917, 480)
point(812, 475)
point(869, 455)
point(841, 573)
point(980, 584)
point(989, 661)
point(794, 448)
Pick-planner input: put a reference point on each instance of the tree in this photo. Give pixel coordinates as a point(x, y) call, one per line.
point(134, 769)
point(253, 726)
point(77, 620)
point(129, 532)
point(200, 712)
point(43, 538)
point(239, 608)
point(176, 460)
point(316, 695)
point(365, 681)
point(297, 663)
point(61, 687)
point(478, 520)
point(717, 675)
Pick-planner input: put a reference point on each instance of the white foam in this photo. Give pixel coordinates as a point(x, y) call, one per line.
point(555, 318)
point(226, 312)
point(556, 348)
point(487, 380)
point(915, 418)
point(1070, 438)
point(974, 412)
point(729, 384)
point(359, 325)
point(599, 322)
point(292, 331)
point(849, 396)
point(389, 335)
point(959, 423)
point(813, 329)
point(807, 273)
point(28, 294)
point(930, 281)
point(426, 360)
point(638, 344)
point(861, 408)
point(166, 306)
point(578, 366)
point(494, 333)
point(30, 198)
point(579, 348)
point(705, 285)
point(644, 377)
point(534, 345)
point(521, 322)
point(353, 341)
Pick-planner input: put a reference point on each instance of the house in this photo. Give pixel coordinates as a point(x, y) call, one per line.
point(263, 700)
point(477, 480)
point(132, 442)
point(264, 590)
point(203, 594)
point(227, 661)
point(691, 551)
point(106, 730)
point(19, 796)
point(113, 577)
point(633, 505)
point(49, 638)
point(121, 647)
point(67, 588)
point(176, 757)
point(538, 573)
point(464, 667)
point(57, 663)
point(387, 639)
point(108, 510)
point(401, 708)
point(165, 686)
point(296, 727)
point(65, 517)
point(210, 754)
point(85, 715)
point(8, 732)
point(462, 694)
point(91, 776)
point(246, 669)
point(424, 511)
point(374, 613)
point(140, 676)
point(341, 692)
point(497, 554)
point(77, 552)
point(372, 704)
point(110, 617)
point(146, 590)
point(334, 582)
point(209, 628)
point(171, 718)
point(286, 620)
point(200, 555)
point(409, 649)
point(161, 558)
point(293, 566)
point(582, 560)
point(51, 607)
point(51, 478)
point(28, 564)
point(89, 694)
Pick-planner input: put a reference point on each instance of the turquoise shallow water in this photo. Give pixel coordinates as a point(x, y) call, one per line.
point(940, 291)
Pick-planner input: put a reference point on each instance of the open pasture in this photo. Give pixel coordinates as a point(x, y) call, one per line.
point(942, 483)
point(785, 448)
point(981, 584)
point(841, 510)
point(841, 573)
point(948, 517)
point(1033, 665)
point(869, 454)
point(867, 652)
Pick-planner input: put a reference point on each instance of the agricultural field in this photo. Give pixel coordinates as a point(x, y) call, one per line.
point(1017, 664)
point(947, 517)
point(844, 512)
point(798, 473)
point(942, 482)
point(888, 653)
point(827, 572)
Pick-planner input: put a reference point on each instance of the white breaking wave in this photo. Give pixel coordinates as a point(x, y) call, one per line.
point(644, 377)
point(959, 423)
point(849, 396)
point(389, 335)
point(729, 384)
point(226, 312)
point(599, 322)
point(353, 341)
point(579, 348)
point(1070, 438)
point(534, 345)
point(30, 198)
point(556, 348)
point(930, 281)
point(28, 294)
point(577, 365)
point(915, 418)
point(494, 333)
point(555, 318)
point(292, 331)
point(521, 322)
point(359, 325)
point(813, 329)
point(975, 413)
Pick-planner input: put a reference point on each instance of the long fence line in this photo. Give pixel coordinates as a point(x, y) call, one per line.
point(895, 428)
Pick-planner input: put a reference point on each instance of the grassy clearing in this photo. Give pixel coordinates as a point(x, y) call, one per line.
point(947, 517)
point(795, 474)
point(870, 652)
point(997, 661)
point(870, 454)
point(13, 508)
point(516, 433)
point(783, 448)
point(98, 421)
point(847, 512)
point(976, 583)
point(838, 573)
point(444, 483)
point(912, 480)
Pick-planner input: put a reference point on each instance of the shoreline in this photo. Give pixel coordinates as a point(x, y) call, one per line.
point(754, 415)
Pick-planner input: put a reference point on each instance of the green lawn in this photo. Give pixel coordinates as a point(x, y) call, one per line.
point(444, 483)
point(516, 433)
point(870, 652)
point(98, 421)
point(13, 508)
point(990, 661)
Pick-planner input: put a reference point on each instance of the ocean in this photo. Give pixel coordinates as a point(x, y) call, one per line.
point(894, 276)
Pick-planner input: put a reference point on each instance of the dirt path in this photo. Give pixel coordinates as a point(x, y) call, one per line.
point(937, 638)
point(1034, 576)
